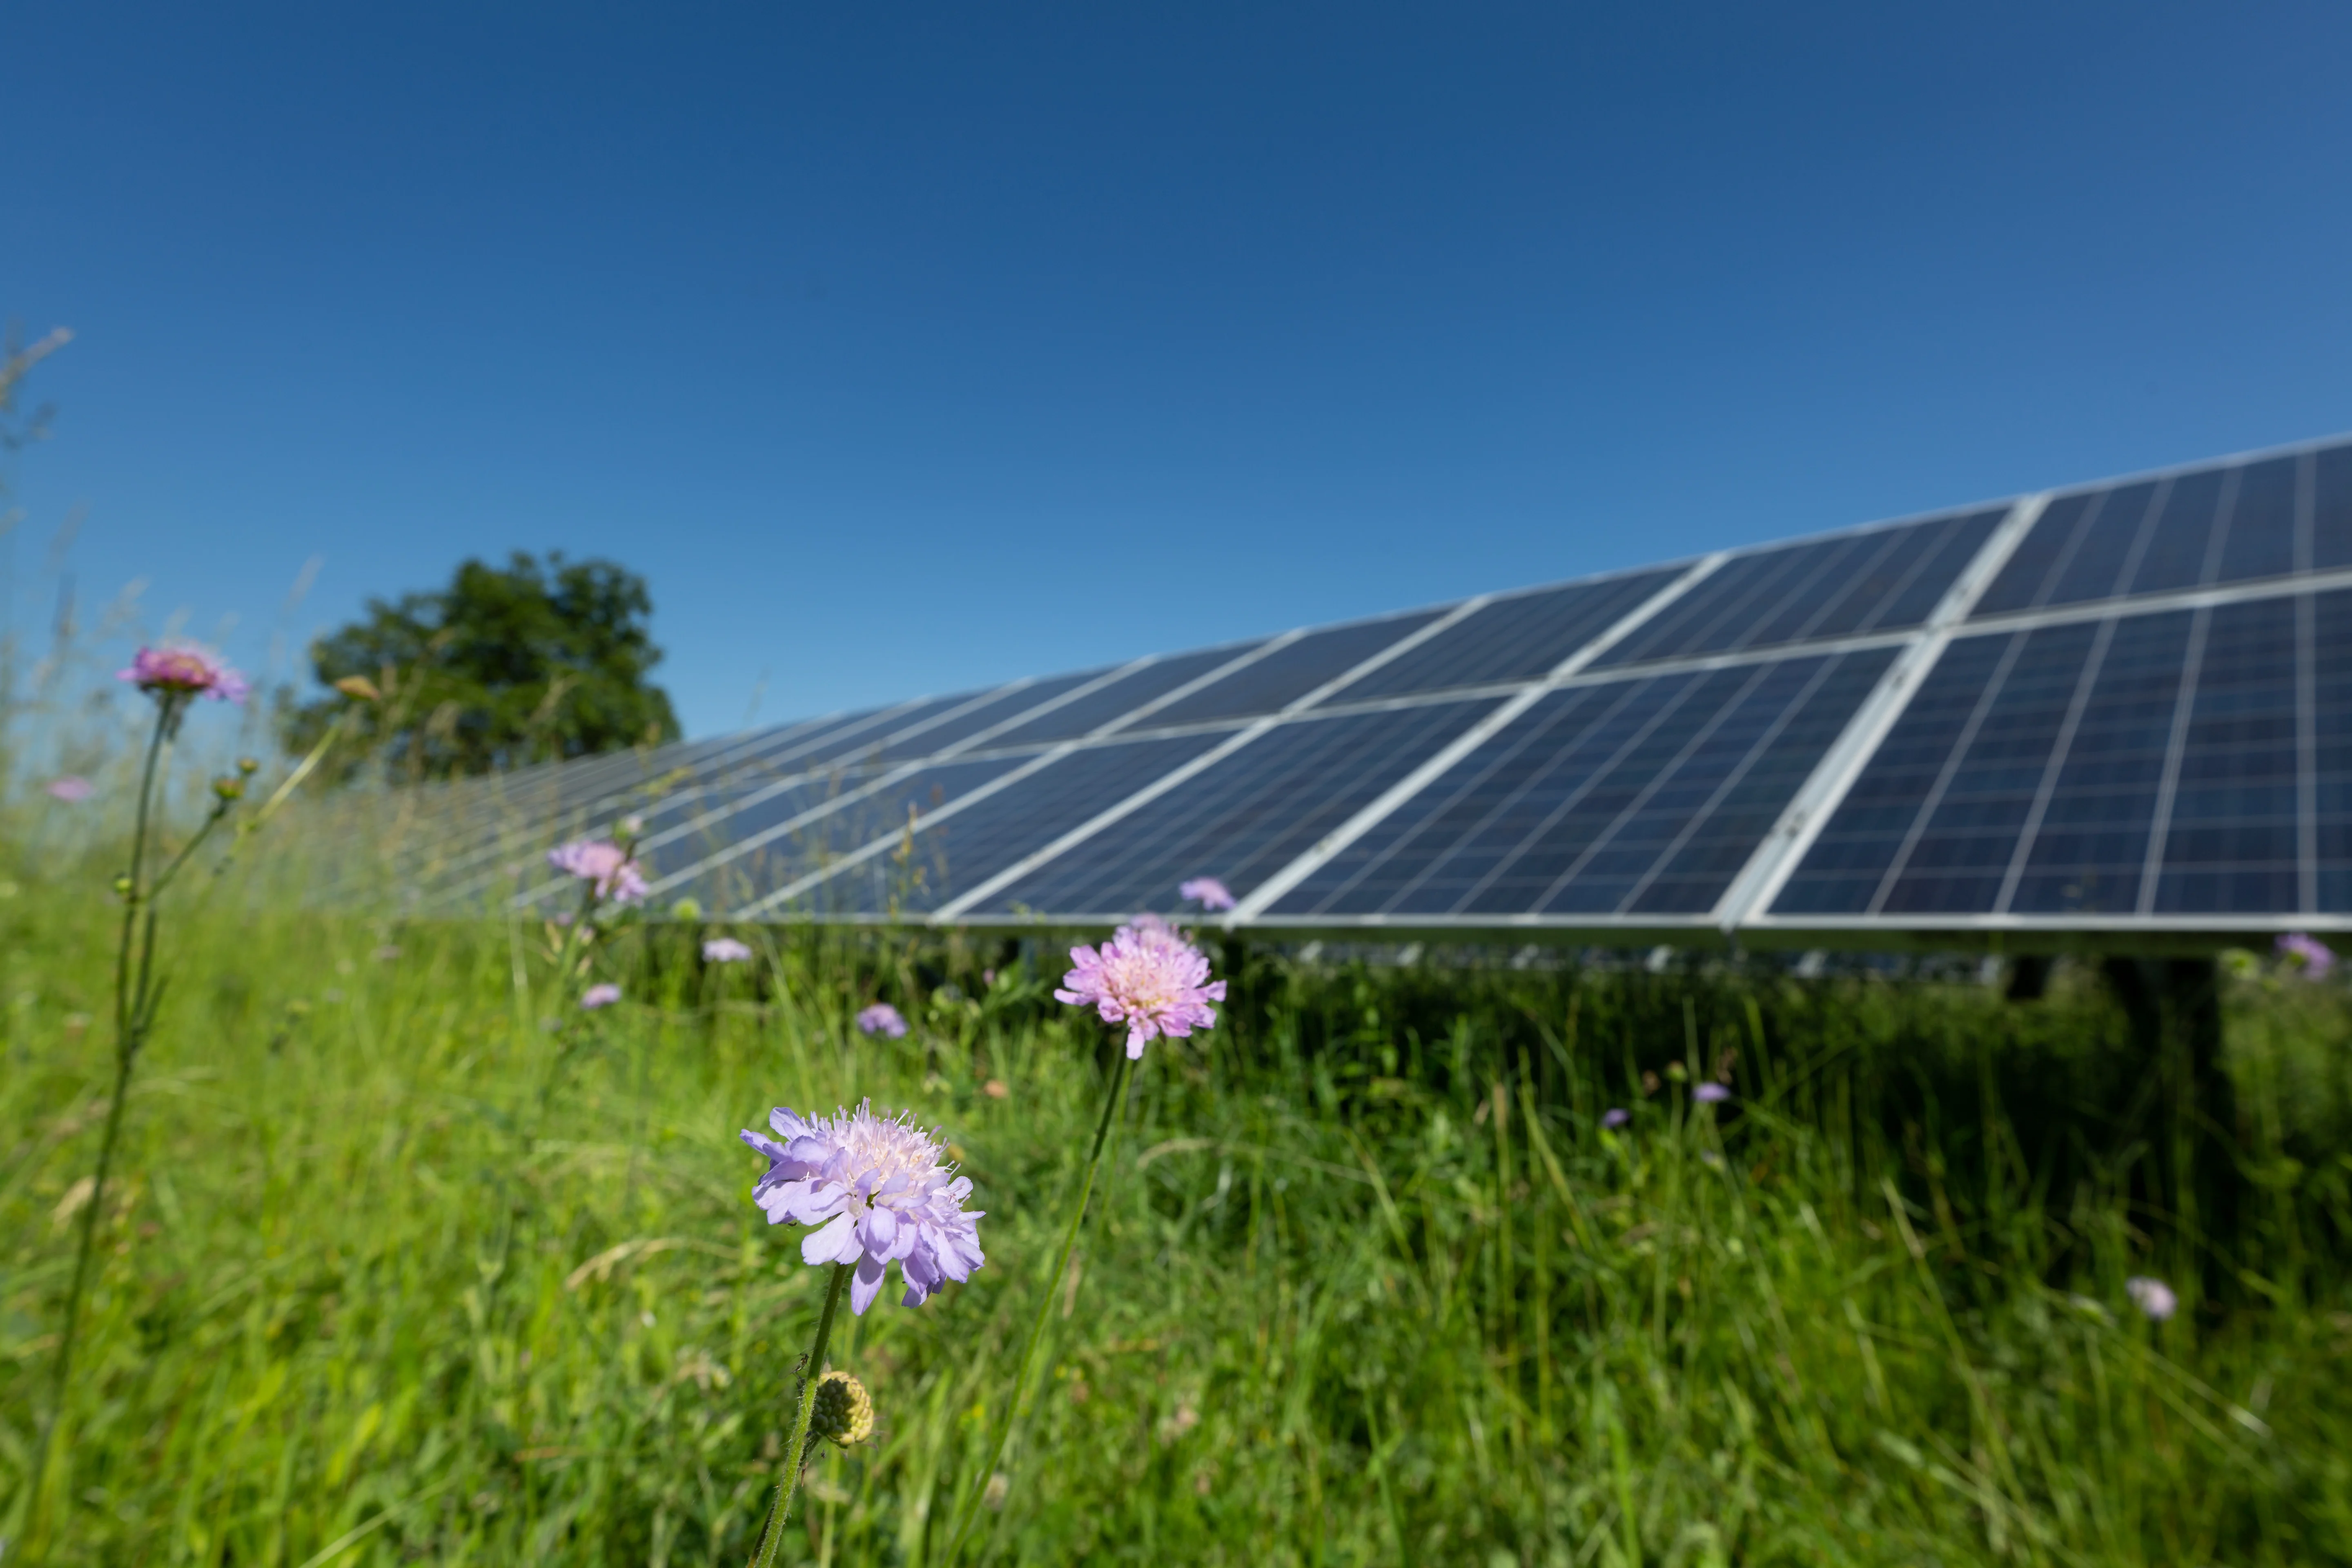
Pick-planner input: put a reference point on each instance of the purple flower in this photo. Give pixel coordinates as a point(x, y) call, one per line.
point(1208, 892)
point(72, 789)
point(603, 994)
point(601, 861)
point(1148, 977)
point(2153, 1297)
point(2314, 957)
point(185, 670)
point(1710, 1094)
point(881, 1019)
point(1615, 1116)
point(879, 1194)
point(724, 950)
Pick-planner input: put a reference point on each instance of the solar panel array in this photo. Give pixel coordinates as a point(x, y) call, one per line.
point(2127, 707)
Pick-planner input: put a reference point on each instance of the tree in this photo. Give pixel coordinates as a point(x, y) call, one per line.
point(506, 666)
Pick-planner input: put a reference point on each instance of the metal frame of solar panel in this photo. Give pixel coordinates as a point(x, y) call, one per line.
point(2105, 716)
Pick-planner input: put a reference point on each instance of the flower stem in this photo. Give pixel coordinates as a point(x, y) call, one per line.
point(773, 1536)
point(132, 1016)
point(965, 1515)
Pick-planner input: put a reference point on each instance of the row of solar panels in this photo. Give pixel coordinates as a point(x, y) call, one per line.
point(2129, 704)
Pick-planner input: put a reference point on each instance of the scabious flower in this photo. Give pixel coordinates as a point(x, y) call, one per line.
point(879, 1194)
point(1206, 891)
point(1615, 1116)
point(73, 789)
point(724, 950)
point(185, 670)
point(1710, 1094)
point(600, 860)
point(2314, 957)
point(2153, 1297)
point(603, 994)
point(1148, 977)
point(881, 1019)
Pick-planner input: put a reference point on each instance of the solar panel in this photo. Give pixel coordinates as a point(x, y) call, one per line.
point(2124, 706)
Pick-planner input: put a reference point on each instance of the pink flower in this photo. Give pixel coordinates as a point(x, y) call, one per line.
point(2153, 1297)
point(1206, 891)
point(185, 670)
point(72, 789)
point(724, 950)
point(1710, 1094)
point(881, 1019)
point(601, 861)
point(2314, 957)
point(1148, 977)
point(600, 996)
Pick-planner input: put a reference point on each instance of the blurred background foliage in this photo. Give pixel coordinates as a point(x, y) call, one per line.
point(528, 662)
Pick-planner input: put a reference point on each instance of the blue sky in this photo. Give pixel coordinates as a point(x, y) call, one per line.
point(909, 349)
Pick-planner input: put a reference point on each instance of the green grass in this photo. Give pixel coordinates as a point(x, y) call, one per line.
point(397, 1275)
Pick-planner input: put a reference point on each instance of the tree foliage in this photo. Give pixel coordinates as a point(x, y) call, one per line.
point(506, 666)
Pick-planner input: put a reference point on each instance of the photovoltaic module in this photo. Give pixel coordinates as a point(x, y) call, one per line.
point(2116, 712)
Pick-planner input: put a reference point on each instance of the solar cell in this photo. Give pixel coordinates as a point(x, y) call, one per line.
point(2328, 724)
point(2233, 523)
point(1290, 671)
point(1518, 637)
point(1243, 817)
point(2232, 835)
point(2117, 767)
point(797, 831)
point(1637, 796)
point(1879, 580)
point(974, 844)
point(1131, 692)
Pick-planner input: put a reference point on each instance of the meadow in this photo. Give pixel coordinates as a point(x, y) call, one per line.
point(407, 1263)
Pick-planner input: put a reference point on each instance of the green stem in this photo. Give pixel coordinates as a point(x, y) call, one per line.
point(130, 1029)
point(772, 1537)
point(965, 1515)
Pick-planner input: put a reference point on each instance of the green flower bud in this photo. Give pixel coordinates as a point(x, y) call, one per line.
point(843, 1413)
point(229, 788)
point(249, 766)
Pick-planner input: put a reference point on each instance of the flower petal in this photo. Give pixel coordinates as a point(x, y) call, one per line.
point(825, 1246)
point(865, 1285)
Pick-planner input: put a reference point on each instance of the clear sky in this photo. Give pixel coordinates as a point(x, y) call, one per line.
point(910, 348)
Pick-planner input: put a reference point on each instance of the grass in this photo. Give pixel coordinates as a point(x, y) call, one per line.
point(399, 1273)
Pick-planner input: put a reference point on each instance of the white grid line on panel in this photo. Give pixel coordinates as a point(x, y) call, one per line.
point(2176, 747)
point(949, 913)
point(1782, 850)
point(1265, 895)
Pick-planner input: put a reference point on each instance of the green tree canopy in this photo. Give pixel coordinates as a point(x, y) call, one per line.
point(506, 666)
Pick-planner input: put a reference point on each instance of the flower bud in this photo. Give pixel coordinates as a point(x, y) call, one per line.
point(360, 687)
point(844, 1411)
point(249, 766)
point(229, 788)
point(122, 886)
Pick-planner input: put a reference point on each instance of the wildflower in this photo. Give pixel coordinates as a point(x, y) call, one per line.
point(724, 950)
point(631, 825)
point(2152, 1296)
point(2310, 955)
point(603, 994)
point(881, 1019)
point(995, 1089)
point(844, 1411)
point(1615, 1116)
point(1148, 977)
point(878, 1192)
point(1206, 891)
point(183, 669)
point(73, 789)
point(601, 861)
point(1710, 1094)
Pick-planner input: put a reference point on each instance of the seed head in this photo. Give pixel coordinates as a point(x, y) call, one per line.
point(843, 1413)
